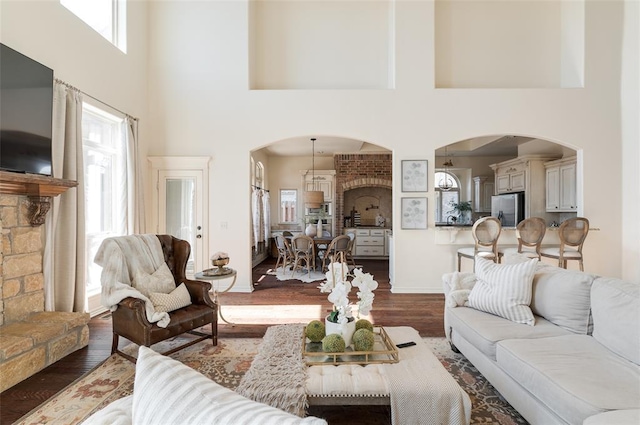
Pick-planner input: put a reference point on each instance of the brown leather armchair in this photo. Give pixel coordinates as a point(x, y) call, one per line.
point(130, 320)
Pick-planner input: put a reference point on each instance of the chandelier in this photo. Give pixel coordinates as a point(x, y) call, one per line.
point(446, 182)
point(313, 198)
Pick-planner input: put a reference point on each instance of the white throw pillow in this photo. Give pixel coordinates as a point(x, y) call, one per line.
point(178, 298)
point(169, 392)
point(160, 281)
point(504, 290)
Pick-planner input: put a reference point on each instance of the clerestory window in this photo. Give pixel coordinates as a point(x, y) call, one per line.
point(107, 17)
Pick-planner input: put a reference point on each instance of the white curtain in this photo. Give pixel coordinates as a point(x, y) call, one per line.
point(64, 257)
point(266, 213)
point(135, 184)
point(257, 218)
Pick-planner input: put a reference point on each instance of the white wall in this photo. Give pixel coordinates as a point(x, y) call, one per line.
point(200, 104)
point(207, 108)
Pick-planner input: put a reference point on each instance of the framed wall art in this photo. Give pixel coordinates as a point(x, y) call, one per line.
point(414, 175)
point(414, 213)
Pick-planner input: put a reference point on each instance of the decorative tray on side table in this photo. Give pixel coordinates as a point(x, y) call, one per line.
point(384, 351)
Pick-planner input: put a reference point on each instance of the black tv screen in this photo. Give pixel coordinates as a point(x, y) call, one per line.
point(26, 104)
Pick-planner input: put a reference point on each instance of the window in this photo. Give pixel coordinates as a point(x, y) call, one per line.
point(105, 184)
point(107, 17)
point(288, 206)
point(444, 198)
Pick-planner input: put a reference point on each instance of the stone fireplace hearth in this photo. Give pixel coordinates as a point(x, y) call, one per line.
point(30, 338)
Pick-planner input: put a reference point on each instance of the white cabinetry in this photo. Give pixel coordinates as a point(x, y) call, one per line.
point(524, 174)
point(320, 180)
point(369, 242)
point(484, 189)
point(561, 185)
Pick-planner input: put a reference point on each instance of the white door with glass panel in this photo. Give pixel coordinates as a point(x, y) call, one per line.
point(181, 204)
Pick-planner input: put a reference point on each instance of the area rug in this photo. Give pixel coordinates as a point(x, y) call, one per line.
point(301, 275)
point(227, 363)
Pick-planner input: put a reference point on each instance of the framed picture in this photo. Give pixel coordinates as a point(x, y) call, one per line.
point(414, 176)
point(414, 213)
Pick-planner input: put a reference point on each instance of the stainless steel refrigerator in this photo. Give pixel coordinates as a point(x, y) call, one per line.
point(508, 208)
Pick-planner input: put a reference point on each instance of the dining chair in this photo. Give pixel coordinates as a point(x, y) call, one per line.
point(284, 252)
point(485, 232)
point(349, 252)
point(529, 233)
point(337, 250)
point(304, 253)
point(572, 233)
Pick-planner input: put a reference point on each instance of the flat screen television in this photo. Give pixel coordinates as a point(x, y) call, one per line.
point(26, 105)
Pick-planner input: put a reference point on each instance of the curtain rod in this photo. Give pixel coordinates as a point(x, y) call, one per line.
point(259, 188)
point(64, 83)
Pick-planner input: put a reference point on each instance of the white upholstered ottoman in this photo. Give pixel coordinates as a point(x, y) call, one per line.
point(417, 386)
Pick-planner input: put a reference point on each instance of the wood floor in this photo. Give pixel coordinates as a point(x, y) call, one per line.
point(272, 302)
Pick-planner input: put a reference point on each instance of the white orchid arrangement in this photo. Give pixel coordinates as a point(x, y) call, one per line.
point(219, 256)
point(339, 288)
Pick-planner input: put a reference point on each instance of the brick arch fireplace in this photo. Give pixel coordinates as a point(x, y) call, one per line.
point(354, 171)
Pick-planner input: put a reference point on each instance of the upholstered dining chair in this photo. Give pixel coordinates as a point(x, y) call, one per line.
point(337, 250)
point(285, 254)
point(485, 232)
point(529, 233)
point(130, 317)
point(304, 252)
point(572, 233)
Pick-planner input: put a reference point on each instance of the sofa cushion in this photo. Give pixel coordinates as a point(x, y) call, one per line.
point(573, 375)
point(616, 316)
point(174, 300)
point(563, 297)
point(617, 417)
point(169, 392)
point(504, 290)
point(484, 330)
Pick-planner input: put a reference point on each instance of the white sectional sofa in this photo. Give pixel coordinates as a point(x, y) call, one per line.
point(580, 361)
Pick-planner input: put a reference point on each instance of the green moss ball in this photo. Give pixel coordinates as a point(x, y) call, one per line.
point(363, 340)
point(315, 331)
point(333, 343)
point(364, 324)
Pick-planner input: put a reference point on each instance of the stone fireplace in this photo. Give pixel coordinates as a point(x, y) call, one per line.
point(30, 338)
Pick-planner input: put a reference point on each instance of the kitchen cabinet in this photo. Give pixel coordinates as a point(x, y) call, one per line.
point(526, 174)
point(369, 242)
point(320, 180)
point(561, 185)
point(484, 189)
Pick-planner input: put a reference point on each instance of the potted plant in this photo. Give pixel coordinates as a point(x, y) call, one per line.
point(462, 209)
point(341, 320)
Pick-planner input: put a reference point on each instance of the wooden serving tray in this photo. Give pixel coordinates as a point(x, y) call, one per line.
point(384, 351)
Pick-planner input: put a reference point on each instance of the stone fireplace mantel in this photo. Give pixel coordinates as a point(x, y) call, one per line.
point(39, 189)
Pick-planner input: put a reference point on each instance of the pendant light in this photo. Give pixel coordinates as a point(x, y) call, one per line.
point(446, 183)
point(313, 198)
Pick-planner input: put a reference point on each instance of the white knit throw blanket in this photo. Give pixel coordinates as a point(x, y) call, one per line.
point(420, 388)
point(121, 258)
point(278, 373)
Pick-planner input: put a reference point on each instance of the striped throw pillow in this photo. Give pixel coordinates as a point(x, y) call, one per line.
point(504, 290)
point(168, 392)
point(178, 298)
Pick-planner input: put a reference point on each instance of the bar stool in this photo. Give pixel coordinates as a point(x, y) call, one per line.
point(572, 234)
point(529, 233)
point(486, 232)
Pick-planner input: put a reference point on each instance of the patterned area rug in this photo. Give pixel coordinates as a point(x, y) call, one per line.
point(227, 363)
